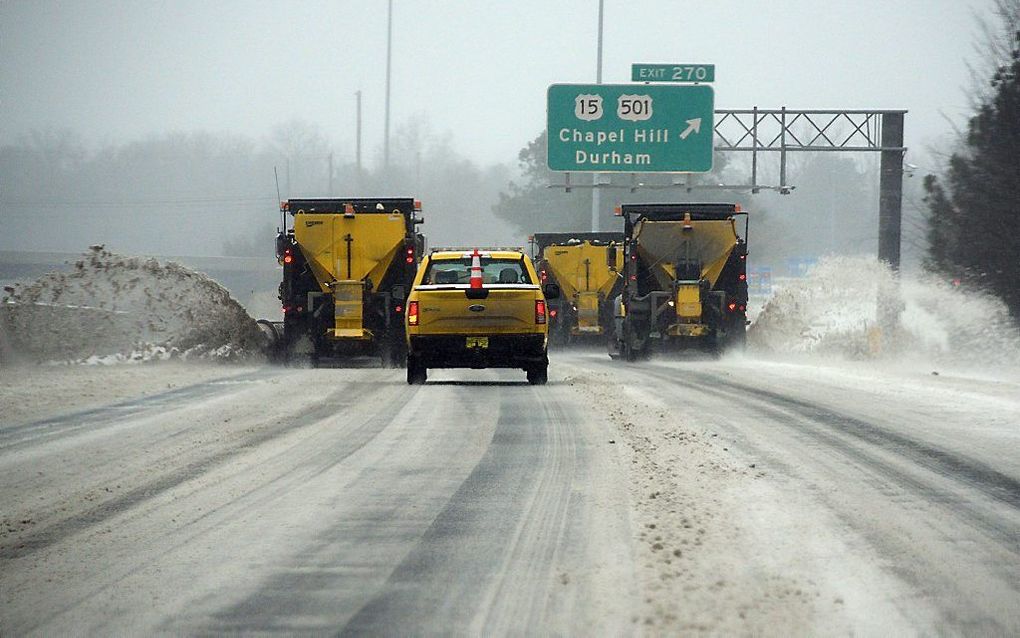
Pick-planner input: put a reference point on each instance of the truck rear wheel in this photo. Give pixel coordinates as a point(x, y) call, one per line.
point(538, 375)
point(738, 341)
point(416, 372)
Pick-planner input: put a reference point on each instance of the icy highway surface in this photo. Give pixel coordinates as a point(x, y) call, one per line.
point(733, 497)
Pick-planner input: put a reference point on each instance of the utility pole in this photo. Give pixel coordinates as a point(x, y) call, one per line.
point(329, 193)
point(389, 52)
point(357, 152)
point(596, 195)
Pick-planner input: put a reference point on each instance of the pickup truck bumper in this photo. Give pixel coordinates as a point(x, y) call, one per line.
point(501, 351)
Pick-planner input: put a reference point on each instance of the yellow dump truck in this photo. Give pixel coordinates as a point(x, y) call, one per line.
point(685, 282)
point(348, 264)
point(578, 263)
point(478, 308)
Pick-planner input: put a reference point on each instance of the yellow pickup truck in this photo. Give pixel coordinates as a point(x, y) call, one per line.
point(477, 308)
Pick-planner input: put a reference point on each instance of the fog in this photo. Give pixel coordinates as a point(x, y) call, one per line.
point(156, 127)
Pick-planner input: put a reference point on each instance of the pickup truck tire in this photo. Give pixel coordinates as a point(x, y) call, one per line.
point(416, 372)
point(538, 375)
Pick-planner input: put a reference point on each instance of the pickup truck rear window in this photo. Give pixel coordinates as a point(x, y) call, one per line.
point(494, 271)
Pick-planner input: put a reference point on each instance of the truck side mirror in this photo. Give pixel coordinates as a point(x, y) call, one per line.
point(282, 244)
point(551, 291)
point(611, 256)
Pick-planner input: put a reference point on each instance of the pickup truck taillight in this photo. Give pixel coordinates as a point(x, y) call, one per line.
point(540, 311)
point(412, 313)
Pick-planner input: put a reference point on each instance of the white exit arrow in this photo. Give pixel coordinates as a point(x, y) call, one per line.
point(693, 126)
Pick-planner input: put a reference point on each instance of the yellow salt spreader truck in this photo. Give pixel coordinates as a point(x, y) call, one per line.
point(685, 279)
point(348, 264)
point(579, 264)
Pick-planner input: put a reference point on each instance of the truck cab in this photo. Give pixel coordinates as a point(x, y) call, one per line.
point(477, 308)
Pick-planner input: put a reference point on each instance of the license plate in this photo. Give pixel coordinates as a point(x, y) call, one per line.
point(477, 342)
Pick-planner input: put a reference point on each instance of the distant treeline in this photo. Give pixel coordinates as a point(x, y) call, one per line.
point(215, 194)
point(211, 194)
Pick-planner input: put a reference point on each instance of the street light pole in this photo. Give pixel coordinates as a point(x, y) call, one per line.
point(357, 156)
point(389, 52)
point(596, 195)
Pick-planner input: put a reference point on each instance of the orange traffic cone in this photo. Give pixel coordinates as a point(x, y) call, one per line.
point(476, 269)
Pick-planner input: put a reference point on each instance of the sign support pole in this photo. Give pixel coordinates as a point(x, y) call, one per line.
point(596, 194)
point(890, 189)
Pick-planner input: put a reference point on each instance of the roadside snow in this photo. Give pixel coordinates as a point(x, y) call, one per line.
point(113, 309)
point(855, 307)
point(33, 393)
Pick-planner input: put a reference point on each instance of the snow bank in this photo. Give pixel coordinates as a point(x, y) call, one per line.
point(114, 309)
point(855, 307)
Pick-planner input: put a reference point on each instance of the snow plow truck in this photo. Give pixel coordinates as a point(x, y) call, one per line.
point(579, 264)
point(348, 264)
point(684, 279)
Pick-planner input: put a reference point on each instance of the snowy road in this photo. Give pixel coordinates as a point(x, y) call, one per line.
point(735, 496)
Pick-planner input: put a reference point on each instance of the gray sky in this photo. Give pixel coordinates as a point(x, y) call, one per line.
point(117, 70)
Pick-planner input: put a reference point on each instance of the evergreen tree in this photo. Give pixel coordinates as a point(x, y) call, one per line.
point(530, 205)
point(975, 226)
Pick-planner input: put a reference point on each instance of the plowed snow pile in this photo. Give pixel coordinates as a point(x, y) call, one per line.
point(111, 308)
point(837, 308)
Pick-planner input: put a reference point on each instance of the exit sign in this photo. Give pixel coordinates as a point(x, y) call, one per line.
point(672, 73)
point(632, 128)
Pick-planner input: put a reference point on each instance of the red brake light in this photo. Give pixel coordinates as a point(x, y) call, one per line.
point(409, 258)
point(412, 313)
point(539, 311)
point(398, 309)
point(742, 277)
point(732, 306)
point(288, 257)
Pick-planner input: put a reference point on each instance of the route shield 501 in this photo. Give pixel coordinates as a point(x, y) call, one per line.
point(630, 128)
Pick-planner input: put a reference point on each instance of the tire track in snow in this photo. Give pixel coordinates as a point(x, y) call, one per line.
point(991, 482)
point(514, 506)
point(957, 469)
point(36, 432)
point(58, 531)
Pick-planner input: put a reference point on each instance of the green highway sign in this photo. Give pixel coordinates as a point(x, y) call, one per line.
point(672, 72)
point(630, 128)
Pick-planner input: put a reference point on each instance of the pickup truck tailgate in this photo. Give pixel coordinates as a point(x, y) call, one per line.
point(502, 311)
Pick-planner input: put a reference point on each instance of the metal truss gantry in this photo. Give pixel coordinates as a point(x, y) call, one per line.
point(784, 131)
